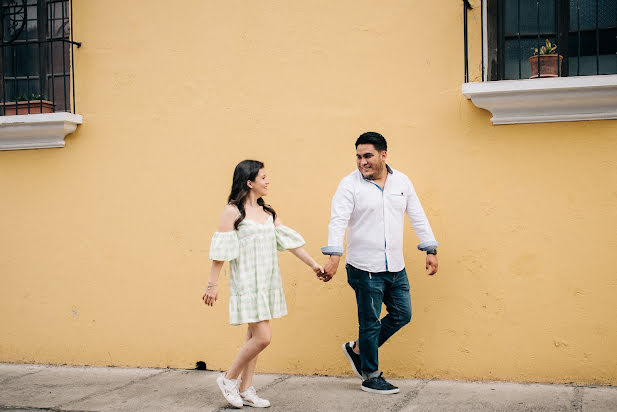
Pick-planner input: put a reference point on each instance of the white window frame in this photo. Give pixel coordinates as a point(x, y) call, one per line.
point(561, 99)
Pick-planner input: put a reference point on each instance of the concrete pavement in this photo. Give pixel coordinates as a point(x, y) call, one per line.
point(63, 388)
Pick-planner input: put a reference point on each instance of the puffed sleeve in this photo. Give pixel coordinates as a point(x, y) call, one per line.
point(224, 246)
point(287, 238)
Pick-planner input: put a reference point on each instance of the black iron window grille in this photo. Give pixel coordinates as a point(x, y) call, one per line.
point(36, 57)
point(583, 31)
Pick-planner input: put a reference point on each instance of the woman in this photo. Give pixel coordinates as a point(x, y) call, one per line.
point(248, 236)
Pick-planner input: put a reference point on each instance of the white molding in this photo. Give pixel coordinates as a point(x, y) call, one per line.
point(37, 131)
point(559, 99)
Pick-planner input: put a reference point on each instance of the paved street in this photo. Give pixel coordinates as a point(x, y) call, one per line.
point(61, 388)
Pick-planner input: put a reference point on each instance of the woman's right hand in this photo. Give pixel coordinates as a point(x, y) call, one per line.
point(211, 295)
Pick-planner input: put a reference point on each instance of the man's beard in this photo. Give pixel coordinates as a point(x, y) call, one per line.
point(375, 174)
point(370, 177)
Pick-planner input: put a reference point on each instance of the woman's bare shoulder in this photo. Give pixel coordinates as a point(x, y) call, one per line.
point(231, 210)
point(277, 221)
point(228, 217)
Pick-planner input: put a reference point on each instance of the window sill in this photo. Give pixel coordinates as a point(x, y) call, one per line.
point(560, 99)
point(37, 131)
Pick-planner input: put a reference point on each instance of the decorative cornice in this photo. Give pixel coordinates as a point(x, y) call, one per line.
point(37, 131)
point(559, 99)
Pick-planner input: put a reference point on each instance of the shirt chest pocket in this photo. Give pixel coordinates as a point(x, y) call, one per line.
point(397, 200)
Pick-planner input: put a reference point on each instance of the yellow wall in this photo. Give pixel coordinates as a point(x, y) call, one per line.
point(104, 243)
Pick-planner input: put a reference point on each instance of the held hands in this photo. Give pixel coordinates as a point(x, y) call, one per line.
point(319, 271)
point(431, 264)
point(211, 295)
point(330, 268)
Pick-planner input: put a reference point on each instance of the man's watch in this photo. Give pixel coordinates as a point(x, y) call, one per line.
point(431, 252)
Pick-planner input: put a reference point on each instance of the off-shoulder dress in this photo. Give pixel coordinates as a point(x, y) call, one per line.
point(255, 285)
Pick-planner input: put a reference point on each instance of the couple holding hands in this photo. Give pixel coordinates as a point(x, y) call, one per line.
point(370, 203)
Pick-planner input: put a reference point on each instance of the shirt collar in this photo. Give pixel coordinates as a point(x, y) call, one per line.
point(388, 168)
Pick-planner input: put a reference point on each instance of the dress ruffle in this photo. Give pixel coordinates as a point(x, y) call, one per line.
point(257, 306)
point(287, 238)
point(224, 246)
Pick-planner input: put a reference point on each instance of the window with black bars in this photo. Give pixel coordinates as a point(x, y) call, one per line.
point(584, 31)
point(36, 73)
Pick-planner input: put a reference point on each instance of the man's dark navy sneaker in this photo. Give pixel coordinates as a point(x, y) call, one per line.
point(378, 385)
point(353, 357)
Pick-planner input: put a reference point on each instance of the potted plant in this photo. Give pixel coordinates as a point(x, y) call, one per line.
point(550, 61)
point(36, 104)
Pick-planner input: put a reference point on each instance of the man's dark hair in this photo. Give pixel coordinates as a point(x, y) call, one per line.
point(373, 138)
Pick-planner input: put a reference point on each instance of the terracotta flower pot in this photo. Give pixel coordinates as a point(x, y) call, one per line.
point(549, 65)
point(22, 107)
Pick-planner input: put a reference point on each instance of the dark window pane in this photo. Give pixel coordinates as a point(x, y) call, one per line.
point(607, 13)
point(7, 64)
point(32, 30)
point(22, 63)
point(61, 89)
point(10, 90)
point(14, 20)
point(59, 28)
point(32, 12)
point(529, 16)
point(34, 87)
point(33, 60)
point(607, 16)
point(607, 40)
point(60, 57)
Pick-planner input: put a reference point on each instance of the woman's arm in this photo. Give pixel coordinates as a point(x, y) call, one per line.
point(211, 295)
point(304, 256)
point(226, 224)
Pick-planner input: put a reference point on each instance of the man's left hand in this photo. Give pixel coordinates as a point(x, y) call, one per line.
point(431, 264)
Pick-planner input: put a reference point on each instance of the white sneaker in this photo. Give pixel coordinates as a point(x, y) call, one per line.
point(250, 398)
point(229, 387)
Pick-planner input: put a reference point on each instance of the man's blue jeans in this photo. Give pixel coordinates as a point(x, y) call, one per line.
point(391, 288)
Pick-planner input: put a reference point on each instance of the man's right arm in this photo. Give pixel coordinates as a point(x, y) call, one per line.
point(342, 207)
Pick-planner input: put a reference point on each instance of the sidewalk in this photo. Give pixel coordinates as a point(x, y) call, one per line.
point(62, 388)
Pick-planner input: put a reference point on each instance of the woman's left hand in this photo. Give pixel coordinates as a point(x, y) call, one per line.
point(319, 272)
point(211, 295)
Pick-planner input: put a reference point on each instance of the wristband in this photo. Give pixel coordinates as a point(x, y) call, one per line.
point(431, 252)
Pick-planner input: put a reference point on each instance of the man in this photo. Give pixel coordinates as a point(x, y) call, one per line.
point(371, 203)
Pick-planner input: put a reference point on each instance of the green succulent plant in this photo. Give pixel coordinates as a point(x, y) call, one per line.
point(24, 97)
point(548, 48)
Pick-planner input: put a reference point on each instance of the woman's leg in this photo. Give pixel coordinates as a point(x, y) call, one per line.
point(259, 340)
point(249, 370)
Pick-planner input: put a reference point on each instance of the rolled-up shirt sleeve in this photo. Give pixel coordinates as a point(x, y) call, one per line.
point(419, 222)
point(342, 207)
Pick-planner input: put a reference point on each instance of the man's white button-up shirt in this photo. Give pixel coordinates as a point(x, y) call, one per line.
point(375, 220)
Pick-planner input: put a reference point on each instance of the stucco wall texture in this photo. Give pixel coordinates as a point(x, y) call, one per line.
point(104, 243)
